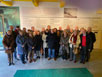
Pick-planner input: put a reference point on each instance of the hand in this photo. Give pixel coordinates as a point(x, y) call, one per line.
point(32, 47)
point(80, 47)
point(23, 46)
point(88, 49)
point(9, 47)
point(6, 47)
point(73, 43)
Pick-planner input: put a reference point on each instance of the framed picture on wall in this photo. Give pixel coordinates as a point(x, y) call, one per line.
point(70, 12)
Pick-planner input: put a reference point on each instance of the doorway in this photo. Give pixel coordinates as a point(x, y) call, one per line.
point(2, 31)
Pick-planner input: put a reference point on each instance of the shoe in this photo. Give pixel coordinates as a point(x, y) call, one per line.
point(70, 60)
point(49, 58)
point(30, 61)
point(87, 60)
point(38, 57)
point(13, 63)
point(54, 59)
point(81, 62)
point(34, 60)
point(75, 61)
point(9, 64)
point(24, 62)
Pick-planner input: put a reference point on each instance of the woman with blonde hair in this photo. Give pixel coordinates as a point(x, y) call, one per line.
point(74, 44)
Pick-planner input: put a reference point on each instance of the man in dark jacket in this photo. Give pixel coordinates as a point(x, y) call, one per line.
point(8, 42)
point(14, 35)
point(93, 39)
point(85, 46)
point(92, 36)
point(51, 39)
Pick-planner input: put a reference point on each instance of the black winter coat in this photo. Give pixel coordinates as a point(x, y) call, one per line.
point(51, 39)
point(39, 42)
point(31, 43)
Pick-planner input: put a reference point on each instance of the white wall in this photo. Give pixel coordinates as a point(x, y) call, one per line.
point(51, 14)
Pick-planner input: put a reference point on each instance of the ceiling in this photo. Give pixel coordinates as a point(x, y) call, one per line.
point(35, 2)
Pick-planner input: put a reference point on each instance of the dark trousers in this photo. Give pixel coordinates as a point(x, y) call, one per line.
point(10, 57)
point(87, 55)
point(22, 57)
point(83, 54)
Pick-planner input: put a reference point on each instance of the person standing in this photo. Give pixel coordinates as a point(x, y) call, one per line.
point(20, 41)
point(84, 46)
point(31, 43)
point(8, 42)
point(14, 35)
point(64, 49)
point(39, 42)
point(74, 44)
point(93, 39)
point(51, 39)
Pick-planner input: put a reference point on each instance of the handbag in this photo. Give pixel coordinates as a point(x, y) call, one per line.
point(76, 50)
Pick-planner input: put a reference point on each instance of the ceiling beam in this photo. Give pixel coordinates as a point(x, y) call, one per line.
point(35, 3)
point(62, 4)
point(8, 3)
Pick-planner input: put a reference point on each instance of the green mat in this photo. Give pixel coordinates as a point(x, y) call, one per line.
point(66, 72)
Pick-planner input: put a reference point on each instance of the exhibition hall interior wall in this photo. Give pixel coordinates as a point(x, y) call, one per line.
point(81, 13)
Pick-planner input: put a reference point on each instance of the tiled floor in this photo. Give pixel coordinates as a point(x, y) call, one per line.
point(94, 66)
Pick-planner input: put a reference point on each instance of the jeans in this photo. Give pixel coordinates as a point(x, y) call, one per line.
point(51, 53)
point(72, 55)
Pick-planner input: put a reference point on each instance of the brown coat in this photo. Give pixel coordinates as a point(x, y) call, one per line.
point(8, 41)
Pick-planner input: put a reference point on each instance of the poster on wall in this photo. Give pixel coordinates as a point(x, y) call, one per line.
point(8, 16)
point(70, 12)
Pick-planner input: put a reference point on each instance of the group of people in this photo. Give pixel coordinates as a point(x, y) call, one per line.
point(30, 45)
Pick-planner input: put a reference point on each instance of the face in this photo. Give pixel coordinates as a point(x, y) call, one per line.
point(9, 32)
point(24, 29)
point(60, 28)
point(55, 30)
point(68, 27)
point(48, 27)
point(32, 28)
point(76, 28)
point(89, 29)
point(11, 28)
point(43, 29)
point(21, 33)
point(83, 31)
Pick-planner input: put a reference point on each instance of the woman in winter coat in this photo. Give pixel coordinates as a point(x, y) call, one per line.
point(45, 46)
point(8, 42)
point(64, 45)
point(31, 43)
point(21, 42)
point(51, 39)
point(38, 39)
point(74, 42)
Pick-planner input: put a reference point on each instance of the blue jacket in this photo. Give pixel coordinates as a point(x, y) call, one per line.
point(20, 40)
